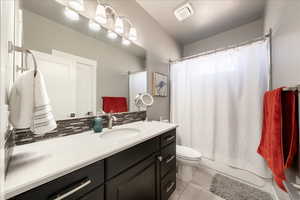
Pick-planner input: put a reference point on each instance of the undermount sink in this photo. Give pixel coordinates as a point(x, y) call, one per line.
point(120, 133)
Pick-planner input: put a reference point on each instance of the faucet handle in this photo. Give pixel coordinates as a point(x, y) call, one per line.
point(111, 116)
point(114, 118)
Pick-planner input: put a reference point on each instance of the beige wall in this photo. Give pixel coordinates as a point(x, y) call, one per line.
point(43, 35)
point(240, 34)
point(160, 47)
point(283, 17)
point(161, 107)
point(151, 35)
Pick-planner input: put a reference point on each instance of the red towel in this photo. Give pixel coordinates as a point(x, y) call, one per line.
point(279, 140)
point(114, 104)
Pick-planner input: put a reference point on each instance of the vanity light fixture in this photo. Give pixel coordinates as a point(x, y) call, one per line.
point(104, 12)
point(71, 14)
point(77, 5)
point(119, 25)
point(94, 26)
point(100, 16)
point(111, 35)
point(125, 42)
point(132, 34)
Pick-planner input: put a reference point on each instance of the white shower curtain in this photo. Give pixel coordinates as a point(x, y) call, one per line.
point(217, 101)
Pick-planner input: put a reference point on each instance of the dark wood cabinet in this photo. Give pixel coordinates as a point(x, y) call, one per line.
point(72, 186)
point(168, 185)
point(167, 165)
point(146, 171)
point(168, 162)
point(139, 182)
point(168, 138)
point(119, 162)
point(97, 194)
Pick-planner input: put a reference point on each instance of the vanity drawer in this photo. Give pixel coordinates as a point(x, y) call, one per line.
point(168, 138)
point(117, 163)
point(72, 186)
point(168, 162)
point(168, 185)
point(97, 194)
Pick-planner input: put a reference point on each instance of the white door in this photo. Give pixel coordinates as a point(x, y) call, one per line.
point(85, 89)
point(86, 75)
point(137, 84)
point(60, 79)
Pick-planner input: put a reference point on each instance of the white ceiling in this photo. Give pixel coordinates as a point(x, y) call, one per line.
point(210, 17)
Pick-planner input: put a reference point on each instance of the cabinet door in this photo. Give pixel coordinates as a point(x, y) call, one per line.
point(97, 194)
point(137, 183)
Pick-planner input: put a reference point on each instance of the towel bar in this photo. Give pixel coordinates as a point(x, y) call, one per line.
point(292, 191)
point(24, 51)
point(297, 186)
point(295, 88)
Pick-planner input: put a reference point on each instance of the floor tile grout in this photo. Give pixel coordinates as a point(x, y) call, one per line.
point(188, 190)
point(185, 187)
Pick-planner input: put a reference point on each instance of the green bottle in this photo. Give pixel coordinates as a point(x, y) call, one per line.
point(97, 124)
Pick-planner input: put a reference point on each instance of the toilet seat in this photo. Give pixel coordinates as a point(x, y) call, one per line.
point(187, 153)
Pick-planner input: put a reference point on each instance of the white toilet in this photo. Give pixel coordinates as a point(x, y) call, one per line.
point(187, 159)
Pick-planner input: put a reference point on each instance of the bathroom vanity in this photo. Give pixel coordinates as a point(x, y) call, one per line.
point(138, 166)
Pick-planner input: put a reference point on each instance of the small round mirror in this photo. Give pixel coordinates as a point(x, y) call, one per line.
point(143, 100)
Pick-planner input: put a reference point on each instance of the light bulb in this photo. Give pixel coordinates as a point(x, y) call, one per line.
point(126, 42)
point(100, 16)
point(76, 5)
point(71, 14)
point(119, 25)
point(94, 26)
point(132, 34)
point(111, 35)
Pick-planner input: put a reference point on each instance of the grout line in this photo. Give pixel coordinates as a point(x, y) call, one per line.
point(184, 188)
point(204, 189)
point(233, 177)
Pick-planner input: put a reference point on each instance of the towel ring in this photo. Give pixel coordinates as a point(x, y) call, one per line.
point(12, 47)
point(34, 61)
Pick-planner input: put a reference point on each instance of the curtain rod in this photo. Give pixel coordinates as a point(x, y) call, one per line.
point(223, 48)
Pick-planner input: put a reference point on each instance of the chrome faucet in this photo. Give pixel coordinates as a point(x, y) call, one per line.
point(111, 119)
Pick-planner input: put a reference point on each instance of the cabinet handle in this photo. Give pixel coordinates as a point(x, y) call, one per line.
point(160, 158)
point(170, 159)
point(64, 195)
point(170, 187)
point(170, 138)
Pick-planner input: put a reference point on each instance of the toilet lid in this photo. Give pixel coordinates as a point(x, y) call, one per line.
point(187, 152)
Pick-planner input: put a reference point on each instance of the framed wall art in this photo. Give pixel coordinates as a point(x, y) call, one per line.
point(159, 85)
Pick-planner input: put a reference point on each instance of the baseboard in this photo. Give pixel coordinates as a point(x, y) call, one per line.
point(275, 193)
point(241, 175)
point(278, 194)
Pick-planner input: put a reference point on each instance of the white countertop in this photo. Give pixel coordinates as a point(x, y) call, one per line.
point(37, 163)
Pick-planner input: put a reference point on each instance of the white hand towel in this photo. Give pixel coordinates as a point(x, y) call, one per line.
point(43, 120)
point(21, 101)
point(29, 104)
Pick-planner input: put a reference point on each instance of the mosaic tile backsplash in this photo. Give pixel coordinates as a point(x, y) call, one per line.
point(75, 126)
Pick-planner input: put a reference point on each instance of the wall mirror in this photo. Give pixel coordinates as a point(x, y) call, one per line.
point(82, 67)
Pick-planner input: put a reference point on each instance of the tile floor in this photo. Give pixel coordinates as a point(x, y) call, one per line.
point(197, 188)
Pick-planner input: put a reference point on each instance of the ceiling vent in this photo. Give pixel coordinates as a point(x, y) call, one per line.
point(184, 12)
